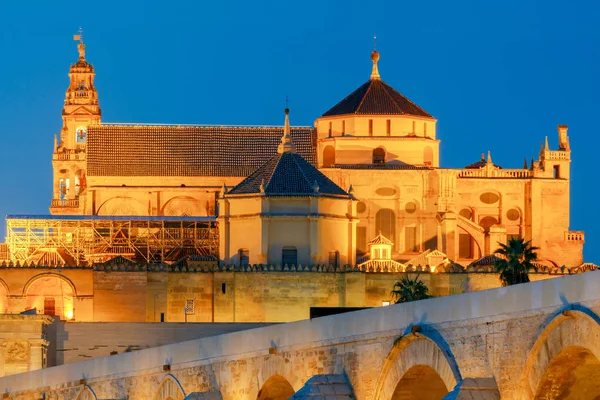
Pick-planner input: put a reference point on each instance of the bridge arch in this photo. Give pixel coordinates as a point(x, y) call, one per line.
point(275, 367)
point(416, 366)
point(276, 388)
point(567, 351)
point(170, 389)
point(86, 394)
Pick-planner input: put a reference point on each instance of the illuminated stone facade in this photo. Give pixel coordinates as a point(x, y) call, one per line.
point(262, 223)
point(375, 140)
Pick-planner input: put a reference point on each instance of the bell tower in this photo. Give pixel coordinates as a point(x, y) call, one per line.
point(81, 109)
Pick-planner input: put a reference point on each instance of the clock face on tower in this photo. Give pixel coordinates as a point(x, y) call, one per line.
point(81, 134)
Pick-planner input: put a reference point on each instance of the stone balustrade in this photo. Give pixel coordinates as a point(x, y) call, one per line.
point(495, 173)
point(71, 203)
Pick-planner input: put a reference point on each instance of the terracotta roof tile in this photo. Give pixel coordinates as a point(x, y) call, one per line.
point(375, 97)
point(287, 174)
point(128, 150)
point(380, 239)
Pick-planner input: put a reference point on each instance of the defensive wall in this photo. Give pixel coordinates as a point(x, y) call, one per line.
point(145, 293)
point(536, 340)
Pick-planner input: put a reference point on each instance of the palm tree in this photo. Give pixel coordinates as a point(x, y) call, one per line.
point(516, 261)
point(407, 289)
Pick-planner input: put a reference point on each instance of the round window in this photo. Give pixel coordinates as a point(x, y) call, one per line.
point(410, 207)
point(513, 214)
point(489, 198)
point(361, 207)
point(466, 213)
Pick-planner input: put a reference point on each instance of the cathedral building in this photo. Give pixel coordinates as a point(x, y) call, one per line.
point(375, 140)
point(362, 190)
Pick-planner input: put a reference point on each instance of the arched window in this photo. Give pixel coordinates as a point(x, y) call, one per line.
point(50, 294)
point(428, 156)
point(334, 258)
point(379, 156)
point(328, 156)
point(466, 213)
point(385, 222)
point(289, 256)
point(244, 256)
point(465, 245)
point(486, 222)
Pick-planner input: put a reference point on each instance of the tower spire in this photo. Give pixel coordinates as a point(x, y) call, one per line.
point(489, 157)
point(546, 147)
point(375, 57)
point(286, 140)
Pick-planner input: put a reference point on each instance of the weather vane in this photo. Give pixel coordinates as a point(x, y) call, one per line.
point(286, 102)
point(80, 36)
point(375, 42)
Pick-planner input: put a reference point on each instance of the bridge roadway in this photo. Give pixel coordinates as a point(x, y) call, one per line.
point(536, 340)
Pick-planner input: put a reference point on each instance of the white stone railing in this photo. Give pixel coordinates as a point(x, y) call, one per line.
point(73, 203)
point(69, 156)
point(381, 266)
point(495, 173)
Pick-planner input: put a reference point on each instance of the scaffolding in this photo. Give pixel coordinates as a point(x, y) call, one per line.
point(87, 239)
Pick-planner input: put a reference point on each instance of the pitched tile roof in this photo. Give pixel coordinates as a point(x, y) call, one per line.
point(141, 150)
point(375, 97)
point(380, 239)
point(485, 260)
point(287, 174)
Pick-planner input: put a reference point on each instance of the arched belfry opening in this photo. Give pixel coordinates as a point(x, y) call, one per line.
point(378, 156)
point(328, 156)
point(276, 388)
point(420, 382)
point(574, 373)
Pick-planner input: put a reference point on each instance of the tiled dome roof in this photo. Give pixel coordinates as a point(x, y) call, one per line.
point(375, 97)
point(287, 174)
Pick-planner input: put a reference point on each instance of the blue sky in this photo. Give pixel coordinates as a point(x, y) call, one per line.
point(498, 76)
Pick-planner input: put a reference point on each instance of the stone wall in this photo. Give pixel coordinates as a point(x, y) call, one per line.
point(226, 294)
point(22, 343)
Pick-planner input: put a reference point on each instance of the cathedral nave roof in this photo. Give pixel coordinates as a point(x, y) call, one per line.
point(140, 150)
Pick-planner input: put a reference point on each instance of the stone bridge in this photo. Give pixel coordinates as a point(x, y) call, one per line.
point(532, 341)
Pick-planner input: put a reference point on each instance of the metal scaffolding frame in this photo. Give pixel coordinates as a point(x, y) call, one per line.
point(83, 240)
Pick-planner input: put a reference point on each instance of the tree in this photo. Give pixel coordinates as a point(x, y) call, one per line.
point(407, 289)
point(515, 261)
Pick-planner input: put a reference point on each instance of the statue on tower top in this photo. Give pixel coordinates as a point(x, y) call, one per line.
point(81, 45)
